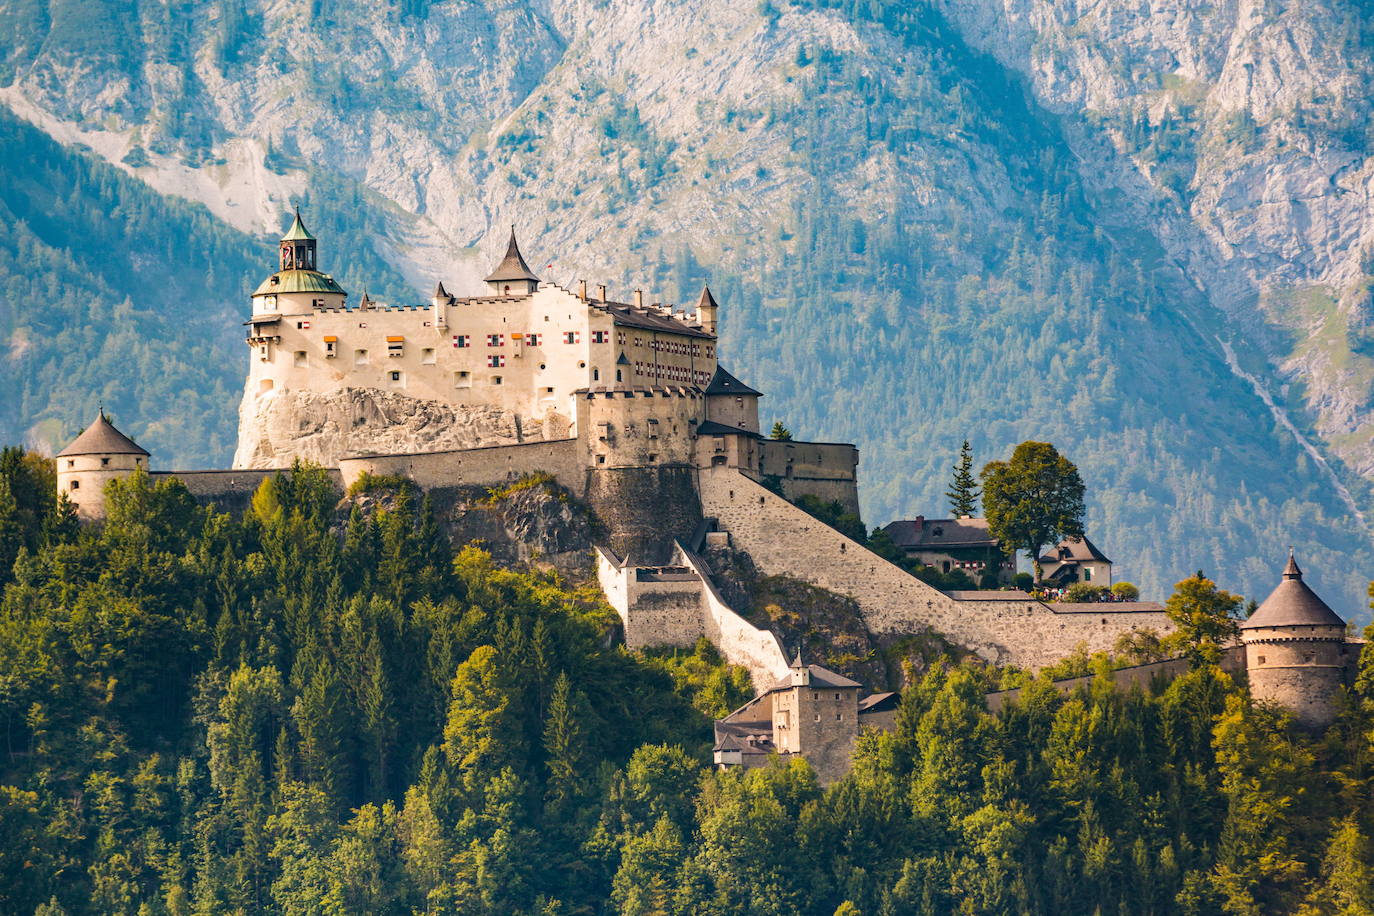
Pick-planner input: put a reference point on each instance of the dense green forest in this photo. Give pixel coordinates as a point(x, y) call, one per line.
point(310, 709)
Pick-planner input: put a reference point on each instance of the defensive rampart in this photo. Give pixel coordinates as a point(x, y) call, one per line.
point(677, 605)
point(489, 466)
point(784, 540)
point(645, 510)
point(228, 489)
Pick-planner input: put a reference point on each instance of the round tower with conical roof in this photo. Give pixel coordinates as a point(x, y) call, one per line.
point(1295, 651)
point(97, 456)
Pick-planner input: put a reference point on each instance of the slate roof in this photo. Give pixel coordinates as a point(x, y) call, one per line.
point(879, 702)
point(298, 281)
point(934, 533)
point(512, 266)
point(712, 428)
point(707, 300)
point(1293, 604)
point(1071, 551)
point(101, 438)
point(747, 737)
point(814, 676)
point(725, 383)
point(629, 316)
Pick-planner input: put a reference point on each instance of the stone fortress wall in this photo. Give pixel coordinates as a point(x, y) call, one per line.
point(825, 470)
point(677, 605)
point(490, 466)
point(784, 540)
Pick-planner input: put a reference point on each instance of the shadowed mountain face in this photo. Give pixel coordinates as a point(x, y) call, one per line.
point(1137, 236)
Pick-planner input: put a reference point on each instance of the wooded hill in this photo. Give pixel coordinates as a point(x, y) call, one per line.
point(310, 709)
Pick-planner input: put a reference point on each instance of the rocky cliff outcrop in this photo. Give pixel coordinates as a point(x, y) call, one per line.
point(280, 426)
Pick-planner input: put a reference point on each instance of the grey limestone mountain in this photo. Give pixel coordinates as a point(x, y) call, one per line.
point(1137, 231)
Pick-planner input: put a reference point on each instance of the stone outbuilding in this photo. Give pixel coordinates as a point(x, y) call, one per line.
point(812, 712)
point(1076, 561)
point(97, 456)
point(1296, 651)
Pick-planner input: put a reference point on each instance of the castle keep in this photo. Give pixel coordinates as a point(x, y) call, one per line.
point(627, 406)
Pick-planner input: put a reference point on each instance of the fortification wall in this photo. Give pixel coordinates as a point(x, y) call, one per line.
point(784, 540)
point(644, 509)
point(638, 427)
point(490, 466)
point(1144, 677)
point(825, 470)
point(738, 641)
point(229, 490)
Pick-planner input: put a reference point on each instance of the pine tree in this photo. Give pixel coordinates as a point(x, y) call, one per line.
point(963, 490)
point(779, 432)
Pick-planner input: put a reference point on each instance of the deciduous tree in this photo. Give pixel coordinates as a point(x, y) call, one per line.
point(1032, 500)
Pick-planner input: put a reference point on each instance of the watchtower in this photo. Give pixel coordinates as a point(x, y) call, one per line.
point(1295, 651)
point(97, 456)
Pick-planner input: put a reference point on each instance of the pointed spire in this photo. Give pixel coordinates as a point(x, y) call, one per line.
point(512, 266)
point(440, 292)
point(366, 302)
point(706, 300)
point(297, 232)
point(1291, 571)
point(797, 662)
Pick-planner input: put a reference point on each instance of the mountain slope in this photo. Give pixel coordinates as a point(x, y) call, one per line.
point(911, 248)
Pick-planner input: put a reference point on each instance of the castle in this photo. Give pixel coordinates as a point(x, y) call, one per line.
point(624, 404)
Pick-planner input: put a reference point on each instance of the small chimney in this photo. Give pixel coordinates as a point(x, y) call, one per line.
point(601, 292)
point(639, 298)
point(582, 290)
point(920, 523)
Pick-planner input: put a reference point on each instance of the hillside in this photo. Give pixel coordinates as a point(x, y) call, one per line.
point(321, 705)
point(996, 221)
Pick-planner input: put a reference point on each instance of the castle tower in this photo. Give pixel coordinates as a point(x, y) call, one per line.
point(97, 456)
point(513, 277)
point(708, 311)
point(732, 403)
point(816, 714)
point(297, 286)
point(1295, 652)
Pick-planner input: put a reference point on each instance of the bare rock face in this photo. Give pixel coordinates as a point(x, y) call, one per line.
point(278, 427)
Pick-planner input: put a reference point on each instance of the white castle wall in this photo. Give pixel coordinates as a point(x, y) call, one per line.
point(521, 357)
point(678, 613)
point(784, 540)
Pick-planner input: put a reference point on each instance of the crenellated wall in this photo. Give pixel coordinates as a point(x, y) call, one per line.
point(784, 540)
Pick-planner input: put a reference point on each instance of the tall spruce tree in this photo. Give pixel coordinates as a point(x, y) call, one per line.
point(963, 489)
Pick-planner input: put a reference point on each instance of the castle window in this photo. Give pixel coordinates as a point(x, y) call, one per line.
point(427, 356)
point(462, 380)
point(1261, 659)
point(496, 340)
point(600, 336)
point(532, 340)
point(462, 340)
point(317, 303)
point(572, 337)
point(620, 338)
point(300, 358)
point(397, 379)
point(269, 303)
point(330, 347)
point(653, 428)
point(104, 462)
point(71, 462)
point(600, 459)
point(596, 375)
point(360, 357)
point(76, 485)
point(549, 390)
point(619, 376)
point(496, 379)
point(496, 361)
point(395, 346)
point(1087, 573)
